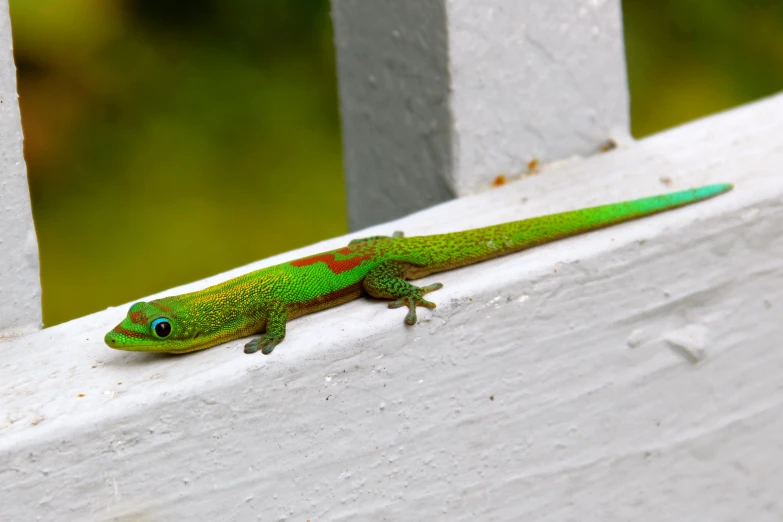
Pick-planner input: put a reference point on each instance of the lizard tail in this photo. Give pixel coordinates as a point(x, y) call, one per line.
point(449, 251)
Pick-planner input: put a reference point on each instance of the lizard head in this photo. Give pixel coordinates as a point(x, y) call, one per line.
point(156, 327)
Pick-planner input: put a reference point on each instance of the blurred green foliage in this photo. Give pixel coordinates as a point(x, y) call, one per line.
point(688, 59)
point(167, 140)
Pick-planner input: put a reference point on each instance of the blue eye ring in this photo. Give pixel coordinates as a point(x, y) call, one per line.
point(161, 327)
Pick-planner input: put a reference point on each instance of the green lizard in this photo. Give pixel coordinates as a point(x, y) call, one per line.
point(264, 300)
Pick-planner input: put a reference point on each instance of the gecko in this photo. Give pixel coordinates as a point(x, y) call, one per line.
point(262, 302)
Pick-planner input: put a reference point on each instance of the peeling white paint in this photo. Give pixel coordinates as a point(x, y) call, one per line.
point(690, 342)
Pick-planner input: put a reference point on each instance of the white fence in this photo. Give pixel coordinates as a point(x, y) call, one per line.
point(628, 374)
point(20, 287)
point(438, 98)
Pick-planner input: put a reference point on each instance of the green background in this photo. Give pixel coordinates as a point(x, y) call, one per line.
point(165, 144)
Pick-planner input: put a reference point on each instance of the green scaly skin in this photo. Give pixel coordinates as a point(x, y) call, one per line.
point(265, 300)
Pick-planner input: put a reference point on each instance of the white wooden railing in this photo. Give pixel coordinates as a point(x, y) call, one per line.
point(629, 374)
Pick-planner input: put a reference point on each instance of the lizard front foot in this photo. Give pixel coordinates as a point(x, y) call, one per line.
point(266, 343)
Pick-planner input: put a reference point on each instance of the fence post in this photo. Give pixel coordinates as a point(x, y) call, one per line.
point(439, 98)
point(20, 286)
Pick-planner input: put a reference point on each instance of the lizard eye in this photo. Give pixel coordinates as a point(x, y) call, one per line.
point(161, 327)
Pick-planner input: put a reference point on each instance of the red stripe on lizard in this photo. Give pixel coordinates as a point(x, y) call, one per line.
point(337, 266)
point(129, 333)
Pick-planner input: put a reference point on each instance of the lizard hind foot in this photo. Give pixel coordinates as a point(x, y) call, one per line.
point(397, 234)
point(387, 281)
point(415, 298)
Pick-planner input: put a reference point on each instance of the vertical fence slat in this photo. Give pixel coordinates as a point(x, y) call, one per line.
point(439, 98)
point(20, 286)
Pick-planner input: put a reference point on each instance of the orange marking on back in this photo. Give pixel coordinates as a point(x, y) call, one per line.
point(337, 266)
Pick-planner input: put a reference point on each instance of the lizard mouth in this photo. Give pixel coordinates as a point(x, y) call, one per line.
point(119, 340)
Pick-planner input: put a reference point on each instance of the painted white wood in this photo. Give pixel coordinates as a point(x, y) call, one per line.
point(439, 98)
point(628, 374)
point(20, 286)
